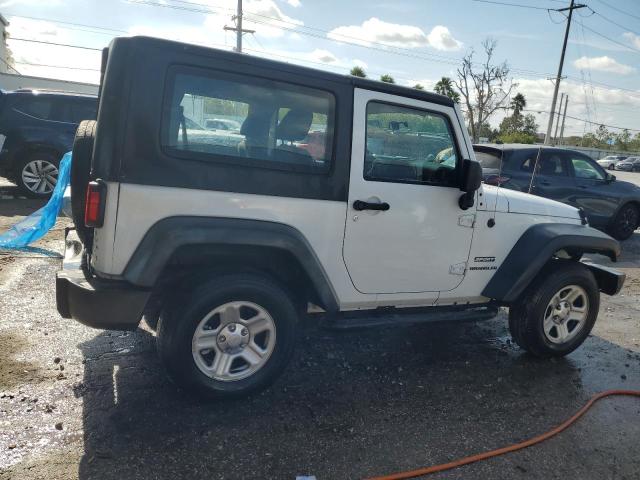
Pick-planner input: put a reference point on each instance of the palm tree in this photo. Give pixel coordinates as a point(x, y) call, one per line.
point(518, 102)
point(358, 72)
point(387, 78)
point(445, 87)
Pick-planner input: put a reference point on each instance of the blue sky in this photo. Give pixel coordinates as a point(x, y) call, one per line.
point(416, 41)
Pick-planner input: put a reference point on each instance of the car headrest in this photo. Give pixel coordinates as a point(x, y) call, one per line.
point(256, 125)
point(295, 125)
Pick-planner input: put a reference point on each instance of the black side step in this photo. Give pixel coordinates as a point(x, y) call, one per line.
point(408, 316)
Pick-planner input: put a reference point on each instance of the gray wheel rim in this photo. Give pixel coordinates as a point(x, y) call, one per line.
point(233, 341)
point(40, 176)
point(566, 314)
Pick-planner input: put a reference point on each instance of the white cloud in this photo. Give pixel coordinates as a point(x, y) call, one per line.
point(24, 3)
point(603, 64)
point(375, 30)
point(440, 38)
point(324, 56)
point(294, 3)
point(633, 39)
point(267, 19)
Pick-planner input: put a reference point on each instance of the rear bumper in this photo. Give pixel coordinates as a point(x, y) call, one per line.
point(98, 303)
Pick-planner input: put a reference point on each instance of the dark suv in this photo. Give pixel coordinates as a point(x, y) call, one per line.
point(36, 129)
point(566, 176)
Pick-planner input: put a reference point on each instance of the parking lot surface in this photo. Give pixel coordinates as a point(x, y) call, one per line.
point(82, 403)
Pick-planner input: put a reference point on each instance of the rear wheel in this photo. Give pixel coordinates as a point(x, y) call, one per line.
point(234, 336)
point(557, 312)
point(625, 222)
point(80, 169)
point(37, 175)
point(612, 166)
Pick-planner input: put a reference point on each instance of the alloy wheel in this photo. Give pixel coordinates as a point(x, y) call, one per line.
point(566, 314)
point(233, 341)
point(40, 176)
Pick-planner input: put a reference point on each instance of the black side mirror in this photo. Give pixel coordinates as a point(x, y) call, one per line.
point(610, 177)
point(471, 181)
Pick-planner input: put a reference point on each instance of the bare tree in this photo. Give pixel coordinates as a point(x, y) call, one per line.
point(484, 87)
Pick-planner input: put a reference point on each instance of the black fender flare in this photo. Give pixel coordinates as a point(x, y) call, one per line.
point(536, 247)
point(169, 234)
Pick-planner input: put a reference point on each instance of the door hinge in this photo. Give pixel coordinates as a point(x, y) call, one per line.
point(467, 220)
point(458, 268)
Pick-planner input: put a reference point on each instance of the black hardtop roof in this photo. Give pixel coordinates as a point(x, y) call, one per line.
point(169, 45)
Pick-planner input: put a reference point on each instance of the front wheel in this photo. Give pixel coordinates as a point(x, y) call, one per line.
point(557, 312)
point(234, 336)
point(612, 166)
point(625, 222)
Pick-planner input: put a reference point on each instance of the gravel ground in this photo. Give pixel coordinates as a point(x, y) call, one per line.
point(87, 404)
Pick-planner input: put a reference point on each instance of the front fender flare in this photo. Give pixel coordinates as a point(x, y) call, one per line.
point(536, 247)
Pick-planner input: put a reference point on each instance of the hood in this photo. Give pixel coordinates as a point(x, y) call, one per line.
point(518, 202)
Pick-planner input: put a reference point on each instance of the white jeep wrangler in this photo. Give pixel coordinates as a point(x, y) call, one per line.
point(359, 197)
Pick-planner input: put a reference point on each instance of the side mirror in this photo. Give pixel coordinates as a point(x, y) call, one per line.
point(610, 177)
point(471, 181)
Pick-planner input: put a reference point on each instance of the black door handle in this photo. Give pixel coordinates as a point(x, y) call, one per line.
point(360, 205)
point(583, 186)
point(545, 183)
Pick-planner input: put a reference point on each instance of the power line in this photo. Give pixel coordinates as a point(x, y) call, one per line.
point(587, 121)
point(511, 4)
point(58, 66)
point(90, 28)
point(619, 10)
point(54, 43)
point(614, 23)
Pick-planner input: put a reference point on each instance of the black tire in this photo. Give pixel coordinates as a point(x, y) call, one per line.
point(612, 166)
point(178, 323)
point(625, 222)
point(46, 159)
point(80, 170)
point(526, 317)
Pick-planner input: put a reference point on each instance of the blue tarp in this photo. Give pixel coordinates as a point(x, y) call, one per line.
point(36, 225)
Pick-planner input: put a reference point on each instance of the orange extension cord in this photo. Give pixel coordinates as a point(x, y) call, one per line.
point(511, 448)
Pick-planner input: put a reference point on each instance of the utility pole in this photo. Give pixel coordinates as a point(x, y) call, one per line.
point(564, 117)
point(238, 28)
point(571, 8)
point(555, 135)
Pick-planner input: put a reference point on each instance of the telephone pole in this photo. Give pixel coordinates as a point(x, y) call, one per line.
point(564, 117)
point(238, 28)
point(555, 135)
point(570, 8)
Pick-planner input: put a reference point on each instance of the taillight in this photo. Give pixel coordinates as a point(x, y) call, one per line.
point(94, 206)
point(497, 180)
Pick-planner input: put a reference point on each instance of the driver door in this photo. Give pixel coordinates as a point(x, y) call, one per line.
point(405, 232)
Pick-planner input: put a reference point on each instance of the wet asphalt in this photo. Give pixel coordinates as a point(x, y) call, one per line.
point(82, 403)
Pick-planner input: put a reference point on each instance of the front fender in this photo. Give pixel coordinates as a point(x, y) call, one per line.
point(536, 247)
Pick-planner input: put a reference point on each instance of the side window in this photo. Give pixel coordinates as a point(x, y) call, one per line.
point(83, 110)
point(520, 160)
point(237, 119)
point(409, 145)
point(552, 164)
point(584, 168)
point(35, 107)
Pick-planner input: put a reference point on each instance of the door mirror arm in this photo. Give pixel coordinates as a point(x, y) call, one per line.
point(471, 181)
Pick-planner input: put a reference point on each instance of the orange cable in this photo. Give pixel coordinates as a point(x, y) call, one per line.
point(511, 448)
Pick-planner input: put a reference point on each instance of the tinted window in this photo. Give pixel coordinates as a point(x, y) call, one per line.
point(281, 125)
point(584, 168)
point(489, 158)
point(41, 108)
point(409, 145)
point(83, 110)
point(520, 160)
point(551, 164)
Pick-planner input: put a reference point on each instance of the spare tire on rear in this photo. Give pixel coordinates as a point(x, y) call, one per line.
point(80, 169)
